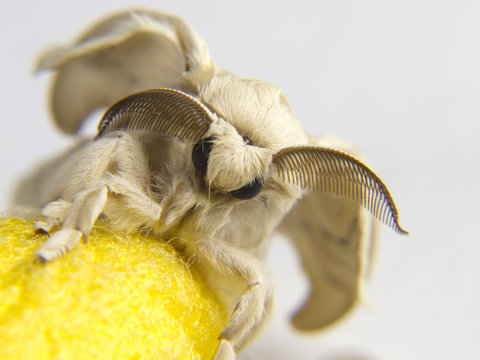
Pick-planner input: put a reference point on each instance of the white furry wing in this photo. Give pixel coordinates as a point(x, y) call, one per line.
point(128, 52)
point(333, 237)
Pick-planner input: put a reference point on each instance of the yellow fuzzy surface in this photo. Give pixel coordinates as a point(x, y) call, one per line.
point(118, 297)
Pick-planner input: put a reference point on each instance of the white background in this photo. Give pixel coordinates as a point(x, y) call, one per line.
point(401, 79)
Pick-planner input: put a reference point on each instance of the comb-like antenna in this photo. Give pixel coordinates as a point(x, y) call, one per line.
point(169, 112)
point(335, 172)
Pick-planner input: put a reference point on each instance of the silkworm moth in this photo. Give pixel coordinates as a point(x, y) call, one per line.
point(190, 151)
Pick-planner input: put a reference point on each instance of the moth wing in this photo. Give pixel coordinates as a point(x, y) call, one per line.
point(335, 238)
point(128, 52)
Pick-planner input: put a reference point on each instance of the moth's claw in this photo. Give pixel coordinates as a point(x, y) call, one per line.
point(44, 255)
point(58, 244)
point(42, 228)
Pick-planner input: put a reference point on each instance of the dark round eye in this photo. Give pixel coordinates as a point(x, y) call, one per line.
point(200, 153)
point(249, 190)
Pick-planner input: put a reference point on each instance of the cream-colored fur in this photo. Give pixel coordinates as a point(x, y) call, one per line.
point(144, 180)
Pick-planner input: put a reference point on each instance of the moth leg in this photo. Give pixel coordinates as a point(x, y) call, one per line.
point(54, 214)
point(137, 207)
point(85, 209)
point(227, 267)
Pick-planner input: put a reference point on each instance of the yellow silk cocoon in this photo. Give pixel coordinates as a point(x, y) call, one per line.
point(118, 297)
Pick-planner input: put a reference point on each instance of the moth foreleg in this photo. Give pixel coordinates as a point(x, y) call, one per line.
point(87, 205)
point(129, 206)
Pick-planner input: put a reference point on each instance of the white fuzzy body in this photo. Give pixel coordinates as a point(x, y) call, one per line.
point(142, 180)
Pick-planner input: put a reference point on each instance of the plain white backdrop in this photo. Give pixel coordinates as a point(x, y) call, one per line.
point(401, 79)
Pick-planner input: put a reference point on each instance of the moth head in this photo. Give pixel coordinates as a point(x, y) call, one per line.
point(230, 163)
point(226, 160)
point(212, 157)
point(234, 164)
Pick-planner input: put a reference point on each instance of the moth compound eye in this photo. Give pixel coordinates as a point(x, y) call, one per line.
point(249, 190)
point(200, 154)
